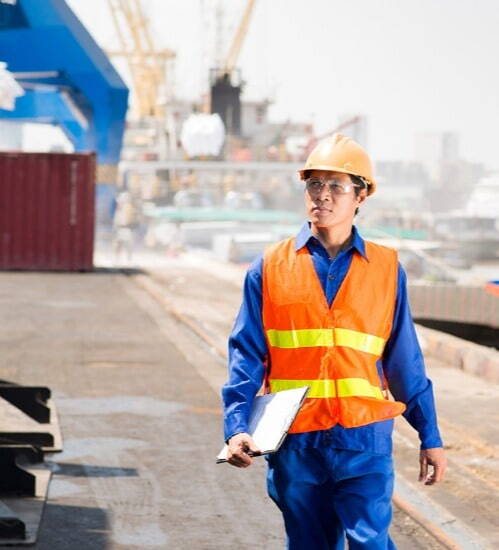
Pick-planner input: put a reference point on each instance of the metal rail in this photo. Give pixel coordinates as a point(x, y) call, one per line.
point(426, 524)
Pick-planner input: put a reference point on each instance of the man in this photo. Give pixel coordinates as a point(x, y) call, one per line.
point(124, 223)
point(329, 310)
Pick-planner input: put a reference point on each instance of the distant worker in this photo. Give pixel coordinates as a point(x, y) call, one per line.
point(124, 223)
point(329, 310)
point(175, 244)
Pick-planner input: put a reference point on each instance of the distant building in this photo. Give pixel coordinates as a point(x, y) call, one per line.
point(457, 178)
point(451, 178)
point(402, 185)
point(434, 148)
point(403, 174)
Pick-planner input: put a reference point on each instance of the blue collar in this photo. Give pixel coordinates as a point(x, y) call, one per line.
point(304, 236)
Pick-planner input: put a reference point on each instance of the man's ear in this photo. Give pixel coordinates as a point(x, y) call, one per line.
point(362, 196)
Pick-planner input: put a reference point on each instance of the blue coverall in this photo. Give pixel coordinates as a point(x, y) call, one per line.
point(335, 482)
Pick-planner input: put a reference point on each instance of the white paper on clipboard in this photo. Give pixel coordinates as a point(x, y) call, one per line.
point(270, 419)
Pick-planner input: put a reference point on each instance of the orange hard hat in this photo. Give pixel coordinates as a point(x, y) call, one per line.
point(339, 153)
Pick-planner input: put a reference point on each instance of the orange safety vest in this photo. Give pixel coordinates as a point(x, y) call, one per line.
point(331, 349)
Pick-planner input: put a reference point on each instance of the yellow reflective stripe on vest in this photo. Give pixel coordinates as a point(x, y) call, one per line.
point(326, 337)
point(318, 388)
point(301, 338)
point(343, 387)
point(360, 387)
point(359, 340)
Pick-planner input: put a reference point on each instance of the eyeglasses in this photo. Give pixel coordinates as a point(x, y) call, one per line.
point(336, 186)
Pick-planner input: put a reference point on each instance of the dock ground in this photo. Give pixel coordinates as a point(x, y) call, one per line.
point(138, 399)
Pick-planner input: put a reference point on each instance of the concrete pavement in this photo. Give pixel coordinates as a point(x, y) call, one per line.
point(141, 428)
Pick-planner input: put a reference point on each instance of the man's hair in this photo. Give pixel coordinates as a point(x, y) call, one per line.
point(360, 183)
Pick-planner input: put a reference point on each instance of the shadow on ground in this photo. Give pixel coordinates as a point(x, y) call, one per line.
point(73, 527)
point(81, 470)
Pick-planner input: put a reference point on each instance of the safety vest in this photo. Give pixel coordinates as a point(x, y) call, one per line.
point(331, 349)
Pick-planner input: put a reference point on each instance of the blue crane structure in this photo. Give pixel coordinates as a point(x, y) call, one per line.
point(68, 80)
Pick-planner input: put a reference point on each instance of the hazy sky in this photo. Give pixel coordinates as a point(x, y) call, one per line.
point(411, 66)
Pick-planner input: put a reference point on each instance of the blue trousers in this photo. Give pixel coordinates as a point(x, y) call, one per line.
point(326, 494)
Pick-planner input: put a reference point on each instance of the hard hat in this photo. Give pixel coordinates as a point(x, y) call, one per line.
point(339, 153)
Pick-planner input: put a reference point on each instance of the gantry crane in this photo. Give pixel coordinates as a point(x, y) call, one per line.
point(151, 73)
point(148, 65)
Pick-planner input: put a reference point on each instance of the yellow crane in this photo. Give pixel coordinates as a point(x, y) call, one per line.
point(149, 66)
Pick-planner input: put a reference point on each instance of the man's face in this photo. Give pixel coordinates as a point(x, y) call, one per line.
point(329, 208)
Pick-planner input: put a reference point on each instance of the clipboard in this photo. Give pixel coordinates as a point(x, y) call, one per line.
point(270, 419)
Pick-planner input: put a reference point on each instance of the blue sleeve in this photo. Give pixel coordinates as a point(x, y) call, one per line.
point(404, 369)
point(247, 354)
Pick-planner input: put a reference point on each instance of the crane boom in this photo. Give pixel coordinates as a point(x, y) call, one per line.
point(343, 126)
point(239, 37)
point(340, 128)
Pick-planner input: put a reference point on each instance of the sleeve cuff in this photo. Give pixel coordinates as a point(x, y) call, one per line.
point(431, 442)
point(234, 424)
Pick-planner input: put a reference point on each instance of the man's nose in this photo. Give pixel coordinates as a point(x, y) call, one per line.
point(324, 192)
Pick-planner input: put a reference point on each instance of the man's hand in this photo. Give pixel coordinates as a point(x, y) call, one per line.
point(239, 447)
point(432, 457)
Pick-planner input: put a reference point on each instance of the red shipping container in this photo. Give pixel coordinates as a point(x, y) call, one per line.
point(47, 211)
